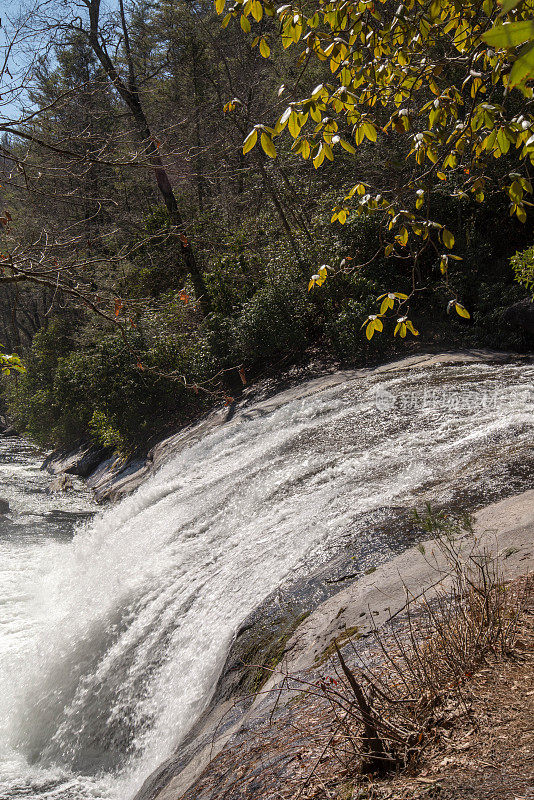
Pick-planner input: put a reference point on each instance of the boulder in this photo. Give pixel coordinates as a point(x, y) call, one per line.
point(114, 479)
point(521, 315)
point(61, 483)
point(9, 431)
point(82, 461)
point(88, 461)
point(4, 506)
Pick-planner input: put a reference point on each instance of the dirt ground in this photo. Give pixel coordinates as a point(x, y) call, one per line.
point(490, 752)
point(480, 751)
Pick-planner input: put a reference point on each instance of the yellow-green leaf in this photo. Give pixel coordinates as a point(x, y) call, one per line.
point(387, 303)
point(250, 141)
point(510, 34)
point(374, 323)
point(319, 158)
point(346, 146)
point(523, 68)
point(516, 191)
point(268, 146)
point(257, 10)
point(448, 238)
point(402, 237)
point(521, 213)
point(461, 311)
point(294, 124)
point(370, 131)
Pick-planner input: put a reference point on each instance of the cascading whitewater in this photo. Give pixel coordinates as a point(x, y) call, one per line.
point(123, 630)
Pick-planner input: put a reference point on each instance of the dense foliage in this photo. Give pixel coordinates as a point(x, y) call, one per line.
point(156, 256)
point(431, 80)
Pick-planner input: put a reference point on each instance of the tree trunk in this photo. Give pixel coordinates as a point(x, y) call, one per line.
point(376, 758)
point(130, 95)
point(198, 143)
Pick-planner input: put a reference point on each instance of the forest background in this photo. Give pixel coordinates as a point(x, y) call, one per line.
point(152, 268)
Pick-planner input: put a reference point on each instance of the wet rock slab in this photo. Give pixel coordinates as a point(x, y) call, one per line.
point(111, 478)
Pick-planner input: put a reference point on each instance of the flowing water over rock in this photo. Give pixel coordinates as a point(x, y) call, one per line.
point(112, 642)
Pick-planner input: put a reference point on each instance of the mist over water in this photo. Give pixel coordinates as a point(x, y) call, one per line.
point(111, 641)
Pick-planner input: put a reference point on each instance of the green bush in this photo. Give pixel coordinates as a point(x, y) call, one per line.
point(523, 267)
point(345, 331)
point(105, 431)
point(231, 281)
point(31, 399)
point(102, 392)
point(274, 323)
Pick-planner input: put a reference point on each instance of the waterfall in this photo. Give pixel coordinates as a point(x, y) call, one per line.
point(132, 618)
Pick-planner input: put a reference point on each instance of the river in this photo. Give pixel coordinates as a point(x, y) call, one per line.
point(115, 627)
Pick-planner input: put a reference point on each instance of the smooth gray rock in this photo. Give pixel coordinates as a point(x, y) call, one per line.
point(113, 478)
point(80, 461)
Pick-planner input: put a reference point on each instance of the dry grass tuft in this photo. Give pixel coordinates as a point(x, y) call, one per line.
point(382, 712)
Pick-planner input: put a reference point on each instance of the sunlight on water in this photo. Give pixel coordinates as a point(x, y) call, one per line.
point(116, 638)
